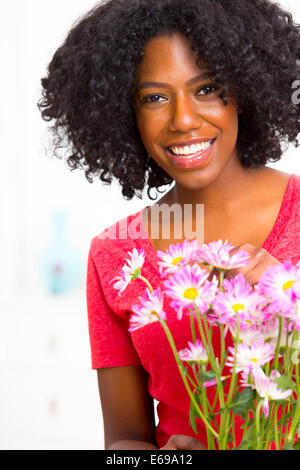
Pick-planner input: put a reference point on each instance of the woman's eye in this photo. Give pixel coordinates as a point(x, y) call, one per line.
point(152, 99)
point(207, 90)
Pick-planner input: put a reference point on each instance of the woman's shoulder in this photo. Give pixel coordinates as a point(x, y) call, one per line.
point(285, 185)
point(119, 237)
point(295, 180)
point(284, 240)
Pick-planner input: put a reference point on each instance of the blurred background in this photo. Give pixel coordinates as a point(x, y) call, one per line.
point(48, 392)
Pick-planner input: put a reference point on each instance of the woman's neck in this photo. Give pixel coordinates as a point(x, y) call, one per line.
point(231, 190)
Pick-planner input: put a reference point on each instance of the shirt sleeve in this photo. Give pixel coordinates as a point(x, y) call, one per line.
point(110, 341)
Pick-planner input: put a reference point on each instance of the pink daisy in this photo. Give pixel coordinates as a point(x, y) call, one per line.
point(175, 255)
point(296, 289)
point(293, 315)
point(150, 310)
point(267, 388)
point(194, 353)
point(250, 356)
point(217, 254)
point(277, 284)
point(239, 299)
point(247, 334)
point(189, 286)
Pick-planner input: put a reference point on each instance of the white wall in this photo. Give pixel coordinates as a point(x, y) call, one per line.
point(31, 186)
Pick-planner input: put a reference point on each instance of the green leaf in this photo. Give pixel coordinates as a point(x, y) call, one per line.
point(207, 376)
point(192, 421)
point(248, 438)
point(245, 425)
point(193, 414)
point(285, 383)
point(242, 401)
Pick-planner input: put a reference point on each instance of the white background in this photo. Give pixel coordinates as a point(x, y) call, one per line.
point(48, 394)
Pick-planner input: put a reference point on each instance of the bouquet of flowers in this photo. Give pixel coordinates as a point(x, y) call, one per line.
point(262, 323)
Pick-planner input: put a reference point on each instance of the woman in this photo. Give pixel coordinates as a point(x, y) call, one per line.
point(198, 93)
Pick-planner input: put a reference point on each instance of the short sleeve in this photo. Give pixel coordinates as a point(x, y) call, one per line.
point(110, 341)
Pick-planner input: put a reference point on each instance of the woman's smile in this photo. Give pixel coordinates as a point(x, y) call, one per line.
point(183, 123)
point(191, 156)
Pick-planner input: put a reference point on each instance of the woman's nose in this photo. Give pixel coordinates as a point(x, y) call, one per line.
point(185, 115)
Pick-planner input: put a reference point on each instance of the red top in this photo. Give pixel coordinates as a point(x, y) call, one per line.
point(111, 343)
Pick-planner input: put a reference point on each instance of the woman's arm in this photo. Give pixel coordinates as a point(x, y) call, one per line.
point(128, 412)
point(127, 408)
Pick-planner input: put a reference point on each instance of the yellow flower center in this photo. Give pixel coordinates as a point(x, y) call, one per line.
point(254, 359)
point(237, 307)
point(177, 260)
point(287, 285)
point(190, 293)
point(154, 313)
point(135, 274)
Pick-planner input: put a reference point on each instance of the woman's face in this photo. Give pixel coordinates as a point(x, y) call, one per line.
point(179, 114)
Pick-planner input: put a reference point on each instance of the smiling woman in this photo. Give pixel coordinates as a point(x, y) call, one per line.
point(197, 93)
point(188, 112)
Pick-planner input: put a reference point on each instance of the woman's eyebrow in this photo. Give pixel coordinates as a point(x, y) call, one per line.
point(190, 82)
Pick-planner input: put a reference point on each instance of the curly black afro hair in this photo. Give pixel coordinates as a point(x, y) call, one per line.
point(251, 47)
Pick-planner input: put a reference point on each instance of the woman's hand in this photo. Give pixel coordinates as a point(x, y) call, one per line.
point(181, 442)
point(259, 261)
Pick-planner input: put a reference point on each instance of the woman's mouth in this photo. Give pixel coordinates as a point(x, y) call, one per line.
point(191, 156)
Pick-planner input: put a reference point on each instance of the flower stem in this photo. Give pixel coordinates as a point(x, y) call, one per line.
point(146, 282)
point(231, 387)
point(276, 429)
point(295, 422)
point(269, 427)
point(232, 382)
point(191, 395)
point(257, 425)
point(275, 363)
point(193, 328)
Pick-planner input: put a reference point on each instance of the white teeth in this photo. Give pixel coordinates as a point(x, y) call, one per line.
point(192, 149)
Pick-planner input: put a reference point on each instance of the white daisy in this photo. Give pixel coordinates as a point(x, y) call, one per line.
point(130, 271)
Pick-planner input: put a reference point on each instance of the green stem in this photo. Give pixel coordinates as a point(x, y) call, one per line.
point(276, 428)
point(295, 421)
point(192, 381)
point(232, 382)
point(193, 327)
point(257, 425)
point(275, 363)
point(222, 273)
point(232, 385)
point(210, 438)
point(296, 417)
point(283, 413)
point(213, 363)
point(263, 426)
point(146, 282)
point(269, 427)
point(222, 359)
point(205, 343)
point(191, 395)
point(297, 364)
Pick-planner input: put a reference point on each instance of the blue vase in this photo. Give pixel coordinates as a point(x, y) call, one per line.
point(59, 263)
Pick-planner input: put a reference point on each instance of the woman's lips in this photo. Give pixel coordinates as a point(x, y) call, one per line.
point(197, 160)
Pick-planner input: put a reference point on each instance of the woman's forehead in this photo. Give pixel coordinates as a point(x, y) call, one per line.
point(164, 53)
